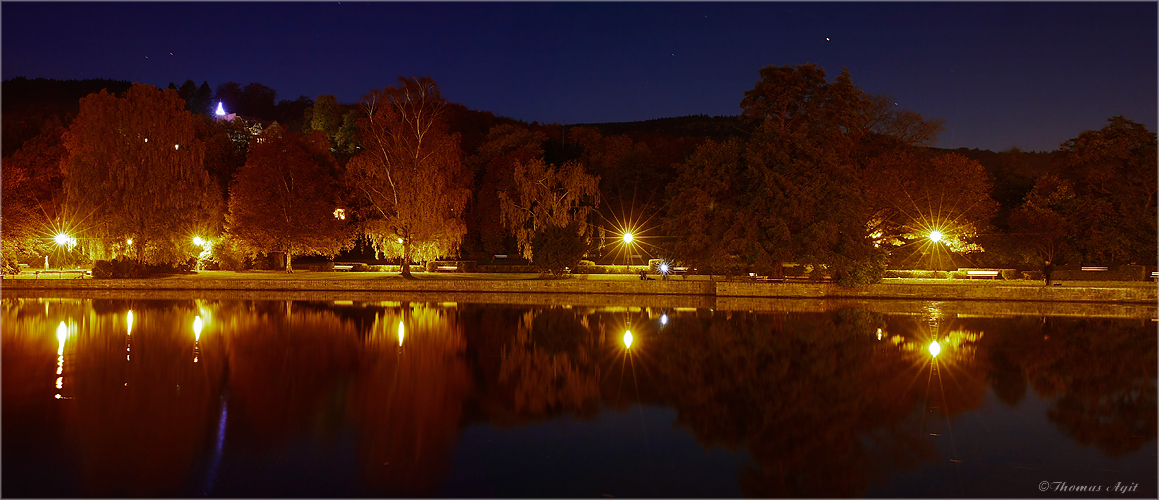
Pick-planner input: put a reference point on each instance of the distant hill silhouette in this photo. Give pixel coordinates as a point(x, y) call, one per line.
point(697, 126)
point(27, 104)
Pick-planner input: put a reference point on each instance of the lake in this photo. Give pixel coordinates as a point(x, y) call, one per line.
point(187, 397)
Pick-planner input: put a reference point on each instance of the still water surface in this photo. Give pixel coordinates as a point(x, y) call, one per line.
point(265, 398)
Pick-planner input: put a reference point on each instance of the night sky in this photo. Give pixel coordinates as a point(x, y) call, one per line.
point(1030, 75)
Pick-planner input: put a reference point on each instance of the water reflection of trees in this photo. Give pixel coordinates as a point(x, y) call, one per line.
point(799, 392)
point(826, 404)
point(1098, 373)
point(408, 400)
point(137, 424)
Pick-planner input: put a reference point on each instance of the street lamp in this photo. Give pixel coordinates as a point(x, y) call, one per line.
point(936, 236)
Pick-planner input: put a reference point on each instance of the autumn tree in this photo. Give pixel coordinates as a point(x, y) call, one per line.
point(546, 196)
point(326, 115)
point(410, 176)
point(492, 167)
point(912, 194)
point(702, 214)
point(1115, 182)
point(284, 198)
point(135, 169)
point(31, 187)
point(797, 184)
point(1040, 226)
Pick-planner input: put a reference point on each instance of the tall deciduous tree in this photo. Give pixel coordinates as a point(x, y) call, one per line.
point(410, 174)
point(797, 189)
point(1114, 178)
point(284, 198)
point(547, 196)
point(326, 115)
point(492, 166)
point(135, 170)
point(1040, 225)
point(31, 192)
point(911, 194)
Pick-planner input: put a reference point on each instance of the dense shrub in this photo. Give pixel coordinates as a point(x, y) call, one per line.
point(1032, 275)
point(127, 268)
point(588, 268)
point(557, 248)
point(11, 266)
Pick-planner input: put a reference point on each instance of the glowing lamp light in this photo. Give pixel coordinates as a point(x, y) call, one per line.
point(220, 110)
point(198, 241)
point(129, 241)
point(664, 267)
point(663, 319)
point(400, 333)
point(627, 237)
point(400, 241)
point(628, 339)
point(62, 239)
point(936, 236)
point(197, 326)
point(935, 348)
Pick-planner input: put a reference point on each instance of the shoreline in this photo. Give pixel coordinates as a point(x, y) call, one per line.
point(742, 291)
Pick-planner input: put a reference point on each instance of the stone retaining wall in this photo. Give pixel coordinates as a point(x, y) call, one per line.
point(931, 291)
point(720, 289)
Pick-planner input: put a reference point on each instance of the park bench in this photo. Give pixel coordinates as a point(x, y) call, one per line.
point(1094, 268)
point(982, 274)
point(80, 273)
point(1154, 275)
point(765, 279)
point(447, 268)
point(343, 267)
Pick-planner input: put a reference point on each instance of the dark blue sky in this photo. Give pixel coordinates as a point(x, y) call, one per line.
point(1030, 75)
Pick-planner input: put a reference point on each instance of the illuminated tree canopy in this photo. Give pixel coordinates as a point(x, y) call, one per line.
point(285, 197)
point(135, 169)
point(548, 195)
point(795, 190)
point(410, 176)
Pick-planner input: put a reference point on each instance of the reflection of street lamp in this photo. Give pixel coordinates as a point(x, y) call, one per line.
point(628, 339)
point(935, 348)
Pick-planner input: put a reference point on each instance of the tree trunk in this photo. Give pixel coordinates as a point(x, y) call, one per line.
point(289, 256)
point(406, 260)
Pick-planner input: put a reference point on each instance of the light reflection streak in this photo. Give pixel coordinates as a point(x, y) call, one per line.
point(215, 461)
point(62, 334)
point(198, 325)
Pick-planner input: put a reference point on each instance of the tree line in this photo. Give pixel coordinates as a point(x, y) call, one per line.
point(813, 172)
